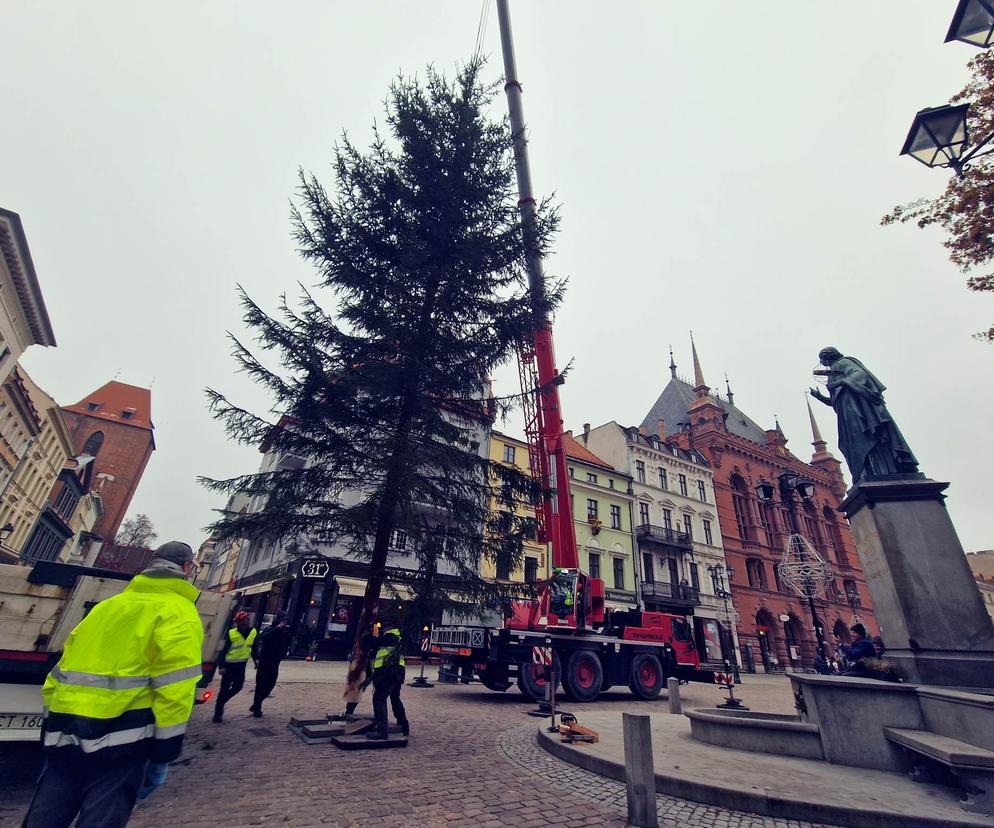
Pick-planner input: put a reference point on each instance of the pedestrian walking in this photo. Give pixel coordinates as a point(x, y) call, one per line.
point(232, 660)
point(268, 650)
point(388, 678)
point(118, 701)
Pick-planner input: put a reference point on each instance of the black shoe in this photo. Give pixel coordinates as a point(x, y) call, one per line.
point(217, 718)
point(256, 714)
point(405, 728)
point(377, 734)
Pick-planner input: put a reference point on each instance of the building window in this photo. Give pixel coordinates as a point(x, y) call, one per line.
point(640, 471)
point(92, 406)
point(93, 443)
point(741, 506)
point(594, 565)
point(667, 519)
point(591, 478)
point(674, 571)
point(682, 482)
point(398, 540)
point(615, 517)
point(768, 518)
point(509, 454)
point(127, 414)
point(663, 483)
point(700, 492)
point(531, 570)
point(695, 577)
point(572, 472)
point(65, 503)
point(591, 509)
point(644, 514)
point(688, 526)
point(647, 569)
point(756, 573)
point(707, 533)
point(610, 483)
point(619, 573)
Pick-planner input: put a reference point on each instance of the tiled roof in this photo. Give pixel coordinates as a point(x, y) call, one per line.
point(119, 403)
point(577, 451)
point(678, 396)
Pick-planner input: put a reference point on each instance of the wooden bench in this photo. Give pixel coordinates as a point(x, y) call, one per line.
point(971, 766)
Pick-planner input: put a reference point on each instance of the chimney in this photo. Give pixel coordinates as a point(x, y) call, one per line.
point(643, 431)
point(586, 431)
point(661, 429)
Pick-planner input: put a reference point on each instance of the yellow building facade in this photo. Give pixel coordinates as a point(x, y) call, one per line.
point(536, 563)
point(34, 421)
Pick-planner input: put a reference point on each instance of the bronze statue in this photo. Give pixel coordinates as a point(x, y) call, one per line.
point(868, 437)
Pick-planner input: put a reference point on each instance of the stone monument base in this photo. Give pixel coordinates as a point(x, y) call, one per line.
point(931, 616)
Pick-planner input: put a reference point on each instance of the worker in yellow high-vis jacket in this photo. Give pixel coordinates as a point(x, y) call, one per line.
point(117, 703)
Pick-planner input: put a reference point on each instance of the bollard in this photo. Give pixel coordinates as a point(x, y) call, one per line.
point(673, 692)
point(640, 778)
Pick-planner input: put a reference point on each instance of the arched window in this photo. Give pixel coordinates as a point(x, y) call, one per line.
point(756, 572)
point(93, 443)
point(811, 526)
point(740, 502)
point(835, 536)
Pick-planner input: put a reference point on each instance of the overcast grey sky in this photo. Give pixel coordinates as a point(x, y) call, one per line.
point(722, 166)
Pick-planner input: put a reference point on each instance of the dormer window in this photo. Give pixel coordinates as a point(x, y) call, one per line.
point(128, 413)
point(93, 406)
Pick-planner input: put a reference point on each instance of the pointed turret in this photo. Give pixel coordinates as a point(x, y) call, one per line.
point(822, 458)
point(816, 438)
point(672, 364)
point(728, 391)
point(700, 386)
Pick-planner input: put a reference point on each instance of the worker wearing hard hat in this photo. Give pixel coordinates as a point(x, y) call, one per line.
point(387, 666)
point(118, 701)
point(232, 661)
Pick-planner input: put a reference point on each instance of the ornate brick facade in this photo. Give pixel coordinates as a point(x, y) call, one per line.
point(774, 621)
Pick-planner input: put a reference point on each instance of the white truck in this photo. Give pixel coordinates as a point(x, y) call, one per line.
point(40, 606)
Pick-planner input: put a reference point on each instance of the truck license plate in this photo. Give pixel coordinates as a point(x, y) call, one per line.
point(21, 721)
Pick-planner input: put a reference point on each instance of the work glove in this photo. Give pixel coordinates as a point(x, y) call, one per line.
point(155, 775)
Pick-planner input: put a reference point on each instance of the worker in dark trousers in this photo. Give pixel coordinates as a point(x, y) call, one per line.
point(268, 650)
point(232, 660)
point(388, 678)
point(117, 703)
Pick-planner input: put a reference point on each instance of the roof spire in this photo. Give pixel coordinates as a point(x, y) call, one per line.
point(776, 423)
point(817, 441)
point(700, 386)
point(672, 364)
point(728, 391)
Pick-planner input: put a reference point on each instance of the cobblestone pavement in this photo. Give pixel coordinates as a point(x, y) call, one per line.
point(472, 761)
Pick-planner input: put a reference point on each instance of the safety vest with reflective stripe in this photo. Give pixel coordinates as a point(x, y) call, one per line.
point(125, 684)
point(241, 646)
point(383, 653)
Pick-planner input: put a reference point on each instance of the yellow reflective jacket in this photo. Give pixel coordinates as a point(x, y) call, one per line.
point(389, 651)
point(125, 684)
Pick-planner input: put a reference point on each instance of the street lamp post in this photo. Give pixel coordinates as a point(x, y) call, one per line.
point(802, 568)
point(727, 621)
point(939, 136)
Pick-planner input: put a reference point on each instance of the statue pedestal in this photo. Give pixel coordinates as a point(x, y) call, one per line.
point(932, 618)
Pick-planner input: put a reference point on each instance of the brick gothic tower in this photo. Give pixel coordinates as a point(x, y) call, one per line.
point(771, 618)
point(114, 424)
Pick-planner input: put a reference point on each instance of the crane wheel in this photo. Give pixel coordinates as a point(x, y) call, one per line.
point(646, 677)
point(584, 676)
point(531, 678)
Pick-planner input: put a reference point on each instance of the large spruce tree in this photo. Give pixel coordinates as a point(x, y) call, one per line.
point(381, 382)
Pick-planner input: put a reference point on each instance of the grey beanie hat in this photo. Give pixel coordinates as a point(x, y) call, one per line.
point(175, 551)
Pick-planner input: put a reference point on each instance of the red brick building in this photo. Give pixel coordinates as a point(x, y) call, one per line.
point(114, 425)
point(772, 619)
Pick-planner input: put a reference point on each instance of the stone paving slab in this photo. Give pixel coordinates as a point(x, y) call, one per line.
point(777, 786)
point(249, 771)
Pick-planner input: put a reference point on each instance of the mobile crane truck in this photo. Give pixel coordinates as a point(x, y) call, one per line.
point(592, 648)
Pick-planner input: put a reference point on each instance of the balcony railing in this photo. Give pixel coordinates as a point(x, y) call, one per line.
point(664, 535)
point(674, 594)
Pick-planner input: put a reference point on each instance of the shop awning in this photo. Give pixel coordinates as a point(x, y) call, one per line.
point(257, 588)
point(356, 587)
